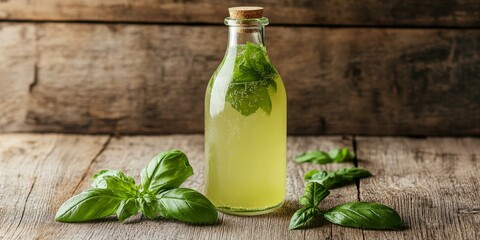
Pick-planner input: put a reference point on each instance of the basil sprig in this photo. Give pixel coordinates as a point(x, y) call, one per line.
point(321, 157)
point(353, 214)
point(115, 193)
point(336, 178)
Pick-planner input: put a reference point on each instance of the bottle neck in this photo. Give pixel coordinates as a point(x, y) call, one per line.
point(238, 35)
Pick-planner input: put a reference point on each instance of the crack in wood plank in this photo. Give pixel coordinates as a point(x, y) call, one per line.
point(469, 211)
point(33, 184)
point(105, 144)
point(357, 182)
point(355, 162)
point(34, 82)
point(331, 232)
point(26, 200)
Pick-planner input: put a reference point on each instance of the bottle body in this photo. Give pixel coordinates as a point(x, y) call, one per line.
point(245, 133)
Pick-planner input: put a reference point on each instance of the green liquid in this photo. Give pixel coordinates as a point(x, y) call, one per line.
point(245, 155)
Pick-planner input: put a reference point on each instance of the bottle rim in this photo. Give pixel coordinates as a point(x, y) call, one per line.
point(253, 22)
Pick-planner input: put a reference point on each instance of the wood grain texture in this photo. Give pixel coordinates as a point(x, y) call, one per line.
point(17, 72)
point(37, 173)
point(114, 78)
point(329, 12)
point(62, 175)
point(433, 183)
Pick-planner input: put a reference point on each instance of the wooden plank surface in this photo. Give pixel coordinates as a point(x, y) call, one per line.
point(433, 183)
point(35, 172)
point(63, 175)
point(330, 12)
point(115, 78)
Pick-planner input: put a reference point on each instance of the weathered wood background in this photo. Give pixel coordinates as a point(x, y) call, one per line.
point(365, 67)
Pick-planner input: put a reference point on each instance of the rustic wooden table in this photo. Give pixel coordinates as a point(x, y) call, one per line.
point(433, 183)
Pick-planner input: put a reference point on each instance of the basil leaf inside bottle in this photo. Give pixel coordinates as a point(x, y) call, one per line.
point(253, 75)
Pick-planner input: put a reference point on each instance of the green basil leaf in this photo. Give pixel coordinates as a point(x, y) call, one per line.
point(341, 155)
point(302, 217)
point(313, 157)
point(253, 74)
point(149, 207)
point(99, 178)
point(187, 205)
point(116, 181)
point(166, 171)
point(313, 195)
point(315, 174)
point(89, 205)
point(247, 98)
point(320, 157)
point(364, 215)
point(337, 178)
point(120, 187)
point(127, 208)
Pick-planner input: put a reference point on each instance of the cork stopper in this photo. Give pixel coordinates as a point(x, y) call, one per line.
point(245, 12)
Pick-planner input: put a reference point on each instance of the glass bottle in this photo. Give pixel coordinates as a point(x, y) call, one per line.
point(245, 123)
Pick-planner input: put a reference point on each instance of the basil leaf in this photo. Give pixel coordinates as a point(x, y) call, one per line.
point(341, 155)
point(320, 157)
point(127, 208)
point(89, 205)
point(246, 98)
point(353, 173)
point(313, 157)
point(116, 181)
point(187, 205)
point(364, 215)
point(315, 174)
point(99, 178)
point(302, 217)
point(313, 195)
point(166, 171)
point(149, 207)
point(252, 75)
point(337, 178)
